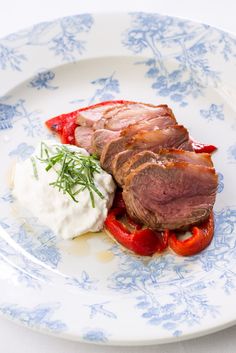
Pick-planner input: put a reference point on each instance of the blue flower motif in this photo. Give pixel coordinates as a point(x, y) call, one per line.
point(85, 282)
point(220, 182)
point(38, 316)
point(9, 113)
point(10, 58)
point(98, 309)
point(228, 44)
point(26, 272)
point(7, 197)
point(22, 151)
point(61, 36)
point(66, 42)
point(42, 245)
point(213, 112)
point(95, 335)
point(156, 34)
point(108, 87)
point(42, 79)
point(232, 153)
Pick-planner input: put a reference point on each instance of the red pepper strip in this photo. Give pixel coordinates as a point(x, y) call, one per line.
point(200, 147)
point(68, 133)
point(56, 124)
point(143, 242)
point(200, 239)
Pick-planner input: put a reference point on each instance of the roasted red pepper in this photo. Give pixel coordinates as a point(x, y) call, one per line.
point(143, 242)
point(200, 239)
point(201, 147)
point(64, 125)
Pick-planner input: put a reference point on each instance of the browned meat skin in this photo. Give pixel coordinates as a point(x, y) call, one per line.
point(89, 117)
point(170, 196)
point(117, 164)
point(160, 122)
point(123, 164)
point(120, 117)
point(110, 150)
point(100, 138)
point(83, 137)
point(126, 164)
point(95, 116)
point(172, 137)
point(172, 155)
point(103, 117)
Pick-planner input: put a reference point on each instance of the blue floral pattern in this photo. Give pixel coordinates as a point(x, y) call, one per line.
point(98, 309)
point(10, 58)
point(62, 37)
point(42, 80)
point(22, 151)
point(39, 316)
point(43, 247)
point(215, 111)
point(95, 336)
point(26, 272)
point(220, 182)
point(108, 88)
point(85, 282)
point(232, 153)
point(9, 113)
point(155, 34)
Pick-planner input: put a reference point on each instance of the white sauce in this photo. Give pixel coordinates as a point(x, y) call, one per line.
point(57, 210)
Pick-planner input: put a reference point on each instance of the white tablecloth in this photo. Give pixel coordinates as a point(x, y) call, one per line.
point(17, 14)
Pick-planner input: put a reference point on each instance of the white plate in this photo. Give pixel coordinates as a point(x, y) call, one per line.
point(89, 289)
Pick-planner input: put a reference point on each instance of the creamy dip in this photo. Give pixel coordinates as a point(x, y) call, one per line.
point(56, 209)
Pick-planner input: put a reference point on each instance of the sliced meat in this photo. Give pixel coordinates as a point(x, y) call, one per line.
point(160, 122)
point(89, 116)
point(120, 171)
point(83, 137)
point(123, 164)
point(110, 150)
point(118, 118)
point(101, 137)
point(170, 196)
point(118, 161)
point(172, 155)
point(171, 137)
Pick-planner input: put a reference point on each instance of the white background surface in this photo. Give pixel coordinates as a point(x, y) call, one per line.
point(17, 14)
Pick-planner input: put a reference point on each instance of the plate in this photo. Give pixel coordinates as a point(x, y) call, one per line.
point(90, 289)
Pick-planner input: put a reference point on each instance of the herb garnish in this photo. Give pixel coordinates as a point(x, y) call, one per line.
point(73, 170)
point(34, 167)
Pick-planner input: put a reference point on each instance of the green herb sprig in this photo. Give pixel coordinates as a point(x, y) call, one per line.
point(34, 167)
point(73, 170)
